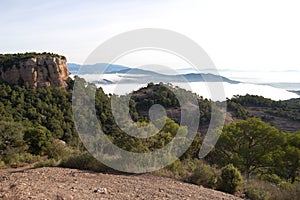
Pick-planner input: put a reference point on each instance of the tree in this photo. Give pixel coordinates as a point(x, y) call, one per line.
point(11, 141)
point(250, 145)
point(290, 167)
point(38, 139)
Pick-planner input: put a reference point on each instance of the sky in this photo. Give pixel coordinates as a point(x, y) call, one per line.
point(257, 35)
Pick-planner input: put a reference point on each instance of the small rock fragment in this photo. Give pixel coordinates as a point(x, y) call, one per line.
point(101, 191)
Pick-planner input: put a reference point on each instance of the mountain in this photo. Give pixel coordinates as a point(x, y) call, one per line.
point(73, 68)
point(98, 68)
point(284, 115)
point(295, 91)
point(285, 85)
point(136, 71)
point(208, 78)
point(121, 74)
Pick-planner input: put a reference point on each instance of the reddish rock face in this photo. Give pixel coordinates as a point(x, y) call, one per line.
point(38, 71)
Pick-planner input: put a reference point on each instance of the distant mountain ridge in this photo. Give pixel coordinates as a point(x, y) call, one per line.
point(295, 91)
point(123, 74)
point(94, 69)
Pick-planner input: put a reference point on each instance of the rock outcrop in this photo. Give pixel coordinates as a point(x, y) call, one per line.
point(36, 70)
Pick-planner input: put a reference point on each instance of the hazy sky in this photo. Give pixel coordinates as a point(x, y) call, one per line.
point(236, 34)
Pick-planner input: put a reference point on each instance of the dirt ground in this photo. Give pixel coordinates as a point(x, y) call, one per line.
point(67, 184)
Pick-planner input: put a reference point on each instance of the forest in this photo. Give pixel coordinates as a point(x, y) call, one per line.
point(252, 156)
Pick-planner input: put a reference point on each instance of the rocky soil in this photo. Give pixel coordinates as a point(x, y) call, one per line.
point(60, 183)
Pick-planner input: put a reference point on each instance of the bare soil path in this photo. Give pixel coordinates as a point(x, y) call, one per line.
point(60, 183)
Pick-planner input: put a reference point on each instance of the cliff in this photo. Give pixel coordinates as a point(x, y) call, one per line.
point(37, 70)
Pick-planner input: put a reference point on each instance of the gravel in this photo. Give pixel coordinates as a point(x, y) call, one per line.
point(68, 184)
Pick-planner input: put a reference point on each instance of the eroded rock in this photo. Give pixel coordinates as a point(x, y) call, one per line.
point(36, 70)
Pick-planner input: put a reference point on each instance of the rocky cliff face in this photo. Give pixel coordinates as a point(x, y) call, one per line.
point(37, 70)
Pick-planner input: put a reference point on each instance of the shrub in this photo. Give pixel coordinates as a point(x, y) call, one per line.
point(47, 163)
point(257, 194)
point(231, 179)
point(24, 158)
point(37, 139)
point(11, 142)
point(2, 164)
point(57, 150)
point(180, 169)
point(287, 191)
point(263, 190)
point(272, 178)
point(204, 175)
point(83, 161)
point(176, 168)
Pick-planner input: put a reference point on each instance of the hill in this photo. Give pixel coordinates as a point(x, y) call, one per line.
point(295, 91)
point(136, 75)
point(284, 115)
point(59, 183)
point(98, 68)
point(38, 122)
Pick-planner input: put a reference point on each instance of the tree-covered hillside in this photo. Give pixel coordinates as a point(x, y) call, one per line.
point(37, 122)
point(284, 115)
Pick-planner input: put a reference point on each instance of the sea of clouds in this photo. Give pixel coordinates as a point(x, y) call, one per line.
point(263, 84)
point(206, 90)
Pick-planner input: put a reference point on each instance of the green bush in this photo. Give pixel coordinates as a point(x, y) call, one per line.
point(272, 178)
point(19, 160)
point(231, 179)
point(2, 164)
point(57, 150)
point(176, 168)
point(287, 191)
point(23, 159)
point(11, 142)
point(37, 139)
point(263, 190)
point(47, 163)
point(204, 175)
point(257, 194)
point(83, 161)
point(180, 169)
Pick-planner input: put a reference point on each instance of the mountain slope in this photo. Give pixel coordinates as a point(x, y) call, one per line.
point(135, 75)
point(59, 183)
point(94, 69)
point(284, 115)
